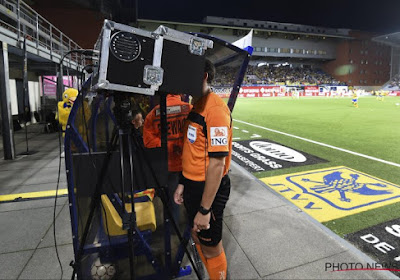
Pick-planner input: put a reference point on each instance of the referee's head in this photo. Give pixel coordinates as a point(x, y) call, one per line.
point(209, 68)
point(209, 74)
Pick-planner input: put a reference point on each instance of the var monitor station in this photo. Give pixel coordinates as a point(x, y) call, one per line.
point(122, 225)
point(138, 61)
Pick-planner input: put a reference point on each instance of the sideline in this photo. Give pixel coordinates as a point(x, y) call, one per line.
point(321, 144)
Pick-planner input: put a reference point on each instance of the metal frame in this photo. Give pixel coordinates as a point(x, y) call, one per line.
point(102, 44)
point(159, 35)
point(72, 137)
point(5, 102)
point(181, 37)
point(242, 71)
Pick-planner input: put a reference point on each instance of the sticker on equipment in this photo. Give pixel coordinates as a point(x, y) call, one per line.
point(191, 134)
point(219, 136)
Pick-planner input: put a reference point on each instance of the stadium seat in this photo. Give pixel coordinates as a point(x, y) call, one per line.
point(112, 221)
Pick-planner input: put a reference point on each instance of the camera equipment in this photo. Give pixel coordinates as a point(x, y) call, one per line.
point(137, 61)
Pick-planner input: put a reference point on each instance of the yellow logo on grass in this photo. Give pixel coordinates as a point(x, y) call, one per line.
point(336, 192)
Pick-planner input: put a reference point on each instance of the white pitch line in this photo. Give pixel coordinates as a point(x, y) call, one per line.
point(255, 136)
point(321, 144)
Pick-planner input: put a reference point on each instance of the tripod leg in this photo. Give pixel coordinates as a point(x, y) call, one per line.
point(129, 219)
point(131, 254)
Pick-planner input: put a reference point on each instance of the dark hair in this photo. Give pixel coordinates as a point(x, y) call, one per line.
point(210, 69)
point(135, 112)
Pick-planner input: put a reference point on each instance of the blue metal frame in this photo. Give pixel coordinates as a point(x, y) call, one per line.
point(106, 244)
point(238, 82)
point(242, 71)
point(72, 136)
point(95, 110)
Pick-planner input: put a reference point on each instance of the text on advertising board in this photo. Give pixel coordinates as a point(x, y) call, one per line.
point(381, 241)
point(264, 155)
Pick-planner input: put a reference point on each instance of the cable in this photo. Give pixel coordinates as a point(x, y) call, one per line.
point(86, 52)
point(55, 199)
point(55, 207)
point(83, 52)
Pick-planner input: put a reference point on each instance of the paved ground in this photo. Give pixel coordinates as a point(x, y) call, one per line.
point(265, 236)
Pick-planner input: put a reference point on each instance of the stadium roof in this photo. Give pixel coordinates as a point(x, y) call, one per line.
point(279, 27)
point(280, 30)
point(392, 39)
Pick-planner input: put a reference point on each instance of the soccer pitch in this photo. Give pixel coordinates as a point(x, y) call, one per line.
point(366, 139)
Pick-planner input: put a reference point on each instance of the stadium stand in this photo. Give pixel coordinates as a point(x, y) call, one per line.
point(278, 75)
point(395, 82)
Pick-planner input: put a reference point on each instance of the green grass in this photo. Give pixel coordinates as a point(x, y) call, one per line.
point(372, 129)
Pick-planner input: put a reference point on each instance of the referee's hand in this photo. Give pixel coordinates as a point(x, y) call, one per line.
point(201, 222)
point(178, 195)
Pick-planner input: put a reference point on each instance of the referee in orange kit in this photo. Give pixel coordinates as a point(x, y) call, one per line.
point(204, 185)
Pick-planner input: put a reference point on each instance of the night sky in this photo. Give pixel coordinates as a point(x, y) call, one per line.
point(381, 16)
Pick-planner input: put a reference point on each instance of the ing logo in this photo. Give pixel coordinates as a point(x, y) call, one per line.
point(336, 192)
point(219, 136)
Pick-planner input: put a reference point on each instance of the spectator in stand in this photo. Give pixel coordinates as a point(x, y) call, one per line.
point(272, 75)
point(395, 82)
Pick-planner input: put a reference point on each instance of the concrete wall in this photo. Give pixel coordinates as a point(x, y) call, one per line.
point(80, 24)
point(33, 91)
point(34, 97)
point(361, 62)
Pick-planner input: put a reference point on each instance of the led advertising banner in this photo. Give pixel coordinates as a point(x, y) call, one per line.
point(50, 84)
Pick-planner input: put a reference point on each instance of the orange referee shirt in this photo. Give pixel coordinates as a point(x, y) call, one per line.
point(208, 133)
point(177, 112)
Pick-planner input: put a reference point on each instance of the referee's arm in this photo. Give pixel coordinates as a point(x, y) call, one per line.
point(213, 180)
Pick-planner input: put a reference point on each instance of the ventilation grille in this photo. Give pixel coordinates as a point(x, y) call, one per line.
point(125, 46)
